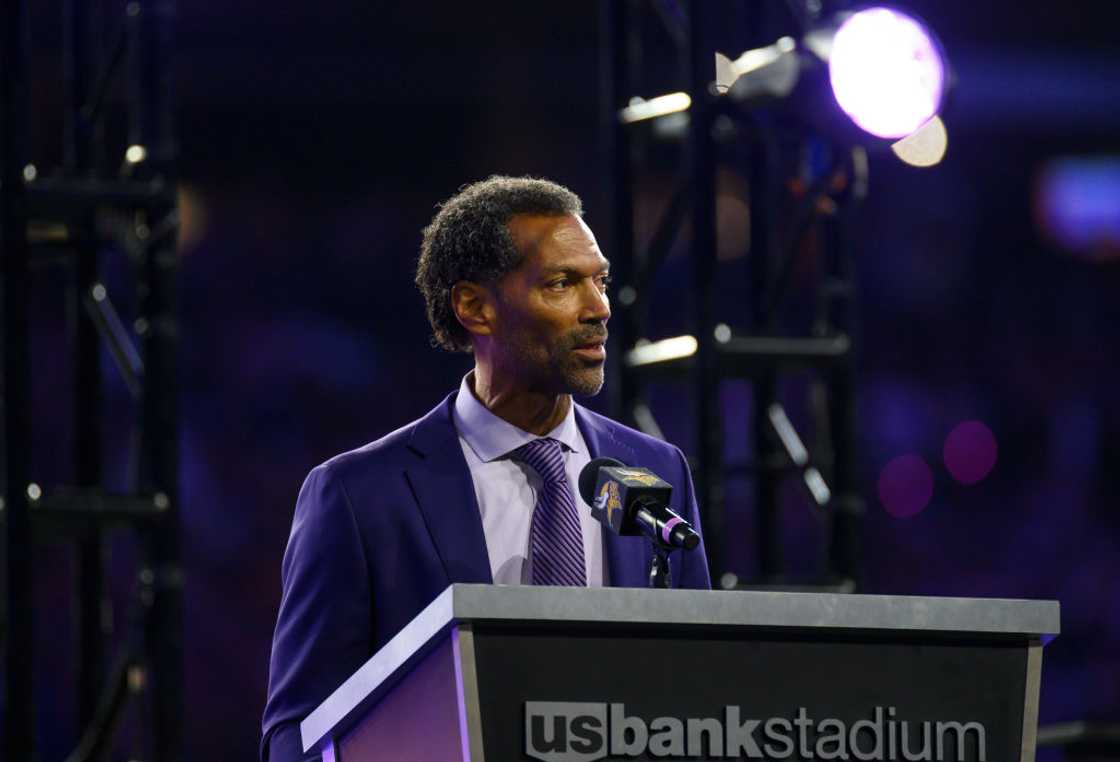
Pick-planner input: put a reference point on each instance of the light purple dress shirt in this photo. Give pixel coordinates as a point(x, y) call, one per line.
point(507, 490)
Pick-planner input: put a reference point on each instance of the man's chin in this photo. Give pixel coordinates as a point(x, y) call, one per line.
point(585, 383)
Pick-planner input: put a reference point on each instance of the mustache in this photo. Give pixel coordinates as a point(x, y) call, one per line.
point(585, 336)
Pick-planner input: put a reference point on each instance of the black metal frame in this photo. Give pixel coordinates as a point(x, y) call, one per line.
point(766, 354)
point(75, 201)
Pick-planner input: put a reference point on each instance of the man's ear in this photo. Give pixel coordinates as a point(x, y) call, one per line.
point(473, 305)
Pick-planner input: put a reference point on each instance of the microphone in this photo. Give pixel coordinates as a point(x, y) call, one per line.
point(632, 501)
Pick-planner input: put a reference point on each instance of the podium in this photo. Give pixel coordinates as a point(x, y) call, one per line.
point(496, 674)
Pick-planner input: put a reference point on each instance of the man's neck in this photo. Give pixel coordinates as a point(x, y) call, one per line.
point(529, 411)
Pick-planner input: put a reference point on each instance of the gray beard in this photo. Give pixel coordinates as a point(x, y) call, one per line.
point(583, 381)
point(575, 377)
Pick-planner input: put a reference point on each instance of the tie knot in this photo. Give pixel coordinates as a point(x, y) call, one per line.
point(545, 456)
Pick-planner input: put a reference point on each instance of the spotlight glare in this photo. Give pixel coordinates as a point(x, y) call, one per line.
point(639, 109)
point(886, 71)
point(675, 348)
point(924, 147)
point(135, 154)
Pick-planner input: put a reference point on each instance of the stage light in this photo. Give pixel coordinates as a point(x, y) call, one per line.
point(640, 109)
point(136, 154)
point(675, 348)
point(886, 72)
point(925, 146)
point(771, 71)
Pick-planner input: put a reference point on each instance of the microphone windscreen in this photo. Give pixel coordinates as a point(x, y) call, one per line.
point(589, 477)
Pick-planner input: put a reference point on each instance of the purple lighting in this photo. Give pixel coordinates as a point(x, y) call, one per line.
point(1078, 205)
point(970, 452)
point(886, 72)
point(905, 486)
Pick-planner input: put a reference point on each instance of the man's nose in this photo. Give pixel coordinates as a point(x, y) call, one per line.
point(597, 306)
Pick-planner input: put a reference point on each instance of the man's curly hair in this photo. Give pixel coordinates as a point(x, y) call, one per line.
point(469, 239)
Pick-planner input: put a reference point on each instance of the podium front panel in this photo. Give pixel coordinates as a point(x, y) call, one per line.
point(581, 695)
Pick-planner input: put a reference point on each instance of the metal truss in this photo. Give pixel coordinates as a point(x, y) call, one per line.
point(799, 187)
point(106, 195)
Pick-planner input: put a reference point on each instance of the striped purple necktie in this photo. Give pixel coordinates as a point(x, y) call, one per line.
point(555, 536)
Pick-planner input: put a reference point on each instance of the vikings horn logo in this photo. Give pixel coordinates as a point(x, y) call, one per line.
point(608, 500)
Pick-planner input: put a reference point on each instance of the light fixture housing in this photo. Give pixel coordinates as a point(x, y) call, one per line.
point(876, 72)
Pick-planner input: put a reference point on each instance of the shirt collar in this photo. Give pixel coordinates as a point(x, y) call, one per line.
point(491, 437)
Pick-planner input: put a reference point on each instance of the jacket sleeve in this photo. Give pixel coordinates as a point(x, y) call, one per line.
point(323, 629)
point(691, 566)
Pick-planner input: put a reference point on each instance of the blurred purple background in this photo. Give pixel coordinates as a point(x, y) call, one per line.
point(317, 139)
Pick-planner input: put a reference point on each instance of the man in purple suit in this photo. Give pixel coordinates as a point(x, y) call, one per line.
point(481, 488)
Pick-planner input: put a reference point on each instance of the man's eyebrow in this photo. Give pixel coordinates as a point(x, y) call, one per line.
point(566, 268)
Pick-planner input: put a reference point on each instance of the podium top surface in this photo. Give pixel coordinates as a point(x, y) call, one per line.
point(696, 609)
point(616, 605)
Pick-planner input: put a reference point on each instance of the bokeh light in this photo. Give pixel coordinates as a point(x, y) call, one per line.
point(1077, 205)
point(926, 146)
point(905, 486)
point(886, 72)
point(970, 452)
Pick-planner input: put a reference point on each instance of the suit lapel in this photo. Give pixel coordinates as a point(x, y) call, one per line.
point(628, 558)
point(442, 484)
point(444, 491)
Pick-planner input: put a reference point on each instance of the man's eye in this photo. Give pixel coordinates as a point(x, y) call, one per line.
point(604, 282)
point(559, 284)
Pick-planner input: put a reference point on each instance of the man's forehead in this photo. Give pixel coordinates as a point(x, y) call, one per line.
point(536, 232)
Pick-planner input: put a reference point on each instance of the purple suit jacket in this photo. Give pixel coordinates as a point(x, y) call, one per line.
point(380, 531)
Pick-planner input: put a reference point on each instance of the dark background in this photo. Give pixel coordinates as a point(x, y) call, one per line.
point(316, 140)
